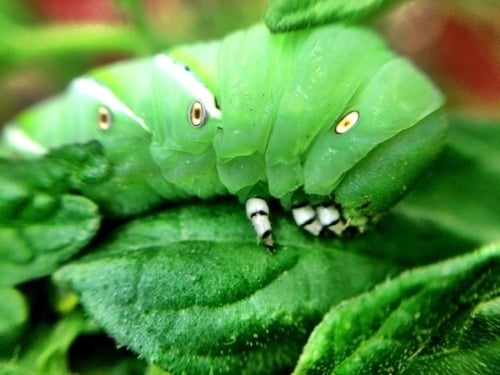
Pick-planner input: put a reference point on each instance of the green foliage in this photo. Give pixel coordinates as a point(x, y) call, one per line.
point(33, 248)
point(287, 15)
point(41, 223)
point(420, 322)
point(191, 290)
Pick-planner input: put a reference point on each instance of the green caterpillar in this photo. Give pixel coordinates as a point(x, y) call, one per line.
point(328, 121)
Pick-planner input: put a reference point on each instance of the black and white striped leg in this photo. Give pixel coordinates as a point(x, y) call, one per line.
point(329, 217)
point(305, 217)
point(258, 212)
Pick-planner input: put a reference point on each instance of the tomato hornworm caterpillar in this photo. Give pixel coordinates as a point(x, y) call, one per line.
point(328, 121)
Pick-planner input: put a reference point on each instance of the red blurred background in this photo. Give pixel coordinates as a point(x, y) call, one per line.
point(458, 43)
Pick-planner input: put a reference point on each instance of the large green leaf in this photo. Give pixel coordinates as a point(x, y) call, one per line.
point(191, 290)
point(438, 319)
point(287, 15)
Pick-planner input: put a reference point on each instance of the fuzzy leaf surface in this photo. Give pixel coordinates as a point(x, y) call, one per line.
point(439, 319)
point(191, 290)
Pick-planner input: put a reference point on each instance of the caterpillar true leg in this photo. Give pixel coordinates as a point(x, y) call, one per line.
point(258, 212)
point(305, 217)
point(329, 217)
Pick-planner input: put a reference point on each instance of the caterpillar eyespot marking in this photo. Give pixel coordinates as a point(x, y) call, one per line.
point(347, 122)
point(197, 114)
point(104, 118)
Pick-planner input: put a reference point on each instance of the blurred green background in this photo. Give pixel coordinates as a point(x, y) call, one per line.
point(45, 43)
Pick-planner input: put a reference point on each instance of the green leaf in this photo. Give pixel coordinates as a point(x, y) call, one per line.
point(32, 249)
point(287, 15)
point(419, 323)
point(397, 239)
point(191, 290)
point(461, 192)
point(40, 224)
point(13, 315)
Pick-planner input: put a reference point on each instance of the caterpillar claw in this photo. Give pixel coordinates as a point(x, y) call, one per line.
point(268, 242)
point(338, 228)
point(257, 211)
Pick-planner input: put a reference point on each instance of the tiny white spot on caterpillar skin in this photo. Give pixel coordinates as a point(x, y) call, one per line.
point(347, 122)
